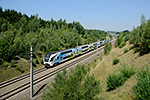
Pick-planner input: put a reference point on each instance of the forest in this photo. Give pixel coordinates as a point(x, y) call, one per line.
point(19, 31)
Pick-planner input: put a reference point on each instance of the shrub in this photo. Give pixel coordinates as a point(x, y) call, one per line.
point(36, 61)
point(126, 50)
point(75, 85)
point(115, 61)
point(20, 69)
point(127, 71)
point(130, 47)
point(142, 88)
point(42, 61)
point(1, 61)
point(114, 81)
point(107, 48)
point(33, 63)
point(12, 64)
point(122, 45)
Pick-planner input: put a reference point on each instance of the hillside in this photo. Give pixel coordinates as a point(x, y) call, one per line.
point(102, 67)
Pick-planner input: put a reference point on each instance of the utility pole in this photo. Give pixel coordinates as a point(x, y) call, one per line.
point(31, 72)
point(97, 47)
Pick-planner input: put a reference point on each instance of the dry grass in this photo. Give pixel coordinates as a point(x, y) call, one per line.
point(9, 72)
point(106, 67)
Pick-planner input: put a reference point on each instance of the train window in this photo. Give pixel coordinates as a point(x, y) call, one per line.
point(46, 59)
point(66, 52)
point(84, 47)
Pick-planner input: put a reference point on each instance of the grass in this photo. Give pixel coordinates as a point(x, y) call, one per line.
point(105, 67)
point(10, 72)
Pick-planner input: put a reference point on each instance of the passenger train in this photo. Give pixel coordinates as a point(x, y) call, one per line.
point(57, 57)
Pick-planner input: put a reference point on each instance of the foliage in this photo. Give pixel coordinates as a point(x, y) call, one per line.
point(140, 35)
point(74, 85)
point(114, 81)
point(42, 61)
point(118, 41)
point(18, 32)
point(37, 61)
point(115, 61)
point(142, 88)
point(131, 47)
point(122, 45)
point(127, 71)
point(33, 63)
point(126, 50)
point(107, 48)
point(20, 69)
point(145, 40)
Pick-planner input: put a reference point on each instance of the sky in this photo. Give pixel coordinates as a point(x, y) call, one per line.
point(108, 15)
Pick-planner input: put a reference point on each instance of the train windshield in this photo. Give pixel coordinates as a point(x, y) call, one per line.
point(46, 59)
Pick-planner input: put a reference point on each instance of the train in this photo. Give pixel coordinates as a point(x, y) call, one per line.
point(57, 57)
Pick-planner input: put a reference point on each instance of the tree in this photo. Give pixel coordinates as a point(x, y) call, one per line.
point(145, 40)
point(76, 85)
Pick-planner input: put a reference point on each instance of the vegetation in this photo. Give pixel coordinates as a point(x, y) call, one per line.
point(18, 32)
point(122, 45)
point(126, 50)
point(127, 71)
point(107, 48)
point(74, 85)
point(20, 69)
point(142, 88)
point(140, 35)
point(115, 61)
point(116, 80)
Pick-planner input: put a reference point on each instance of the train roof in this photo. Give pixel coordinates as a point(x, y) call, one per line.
point(49, 54)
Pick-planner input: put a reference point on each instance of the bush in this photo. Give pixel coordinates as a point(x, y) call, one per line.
point(122, 45)
point(20, 69)
point(1, 61)
point(114, 81)
point(12, 64)
point(126, 50)
point(36, 61)
point(127, 71)
point(142, 88)
point(42, 61)
point(115, 61)
point(33, 63)
point(107, 48)
point(75, 85)
point(130, 47)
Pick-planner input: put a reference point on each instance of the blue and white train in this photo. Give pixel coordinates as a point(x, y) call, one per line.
point(57, 57)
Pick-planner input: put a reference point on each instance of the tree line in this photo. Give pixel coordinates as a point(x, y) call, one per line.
point(18, 31)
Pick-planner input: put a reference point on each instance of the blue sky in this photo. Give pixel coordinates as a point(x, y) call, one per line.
point(108, 15)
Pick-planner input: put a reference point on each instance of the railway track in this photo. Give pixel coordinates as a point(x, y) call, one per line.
point(23, 82)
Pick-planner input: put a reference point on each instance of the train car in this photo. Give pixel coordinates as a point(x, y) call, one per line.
point(57, 57)
point(82, 49)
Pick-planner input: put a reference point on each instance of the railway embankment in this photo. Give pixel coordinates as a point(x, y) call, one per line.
point(103, 67)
